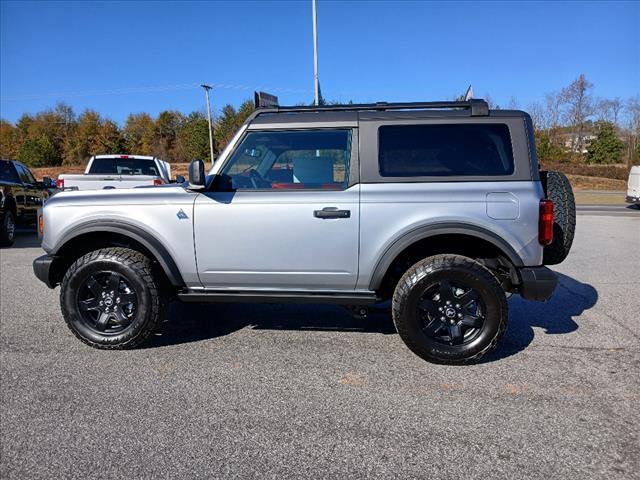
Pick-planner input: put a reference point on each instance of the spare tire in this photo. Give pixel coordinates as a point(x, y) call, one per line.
point(558, 189)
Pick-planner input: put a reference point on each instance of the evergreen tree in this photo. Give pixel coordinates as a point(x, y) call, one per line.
point(39, 152)
point(606, 147)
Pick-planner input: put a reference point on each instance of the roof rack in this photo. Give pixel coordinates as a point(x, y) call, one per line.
point(476, 107)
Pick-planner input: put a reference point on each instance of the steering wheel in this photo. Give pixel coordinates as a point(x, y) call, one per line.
point(256, 179)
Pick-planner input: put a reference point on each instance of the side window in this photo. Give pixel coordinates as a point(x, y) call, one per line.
point(24, 175)
point(445, 150)
point(30, 176)
point(290, 160)
point(8, 172)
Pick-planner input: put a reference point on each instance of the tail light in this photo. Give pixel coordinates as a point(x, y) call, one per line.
point(41, 224)
point(545, 222)
point(158, 181)
point(60, 183)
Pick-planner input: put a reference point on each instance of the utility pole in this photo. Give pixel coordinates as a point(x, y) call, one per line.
point(315, 55)
point(206, 92)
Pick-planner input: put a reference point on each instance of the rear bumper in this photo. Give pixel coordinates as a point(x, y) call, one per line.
point(42, 268)
point(631, 199)
point(537, 283)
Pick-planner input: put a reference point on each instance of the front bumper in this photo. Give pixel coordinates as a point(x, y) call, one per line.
point(537, 283)
point(42, 268)
point(630, 199)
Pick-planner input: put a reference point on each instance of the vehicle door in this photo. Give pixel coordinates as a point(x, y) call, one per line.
point(12, 185)
point(32, 195)
point(283, 213)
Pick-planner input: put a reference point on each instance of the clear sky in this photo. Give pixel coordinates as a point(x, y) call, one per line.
point(122, 57)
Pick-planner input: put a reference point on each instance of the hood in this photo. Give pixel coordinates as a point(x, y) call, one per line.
point(171, 193)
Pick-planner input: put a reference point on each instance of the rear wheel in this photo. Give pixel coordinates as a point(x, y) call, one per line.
point(8, 229)
point(450, 309)
point(110, 298)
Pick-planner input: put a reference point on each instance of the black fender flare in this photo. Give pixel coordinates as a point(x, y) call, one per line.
point(151, 243)
point(445, 228)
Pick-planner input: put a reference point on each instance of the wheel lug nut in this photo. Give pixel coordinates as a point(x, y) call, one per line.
point(442, 318)
point(459, 315)
point(452, 321)
point(439, 309)
point(448, 302)
point(457, 305)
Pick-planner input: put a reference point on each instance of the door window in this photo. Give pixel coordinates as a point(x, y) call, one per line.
point(25, 175)
point(289, 160)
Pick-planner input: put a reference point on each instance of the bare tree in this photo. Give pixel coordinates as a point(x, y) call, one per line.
point(513, 103)
point(538, 116)
point(578, 103)
point(632, 114)
point(609, 110)
point(632, 110)
point(553, 112)
point(490, 102)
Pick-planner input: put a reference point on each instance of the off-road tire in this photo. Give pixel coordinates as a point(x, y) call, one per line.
point(138, 270)
point(7, 235)
point(418, 278)
point(558, 189)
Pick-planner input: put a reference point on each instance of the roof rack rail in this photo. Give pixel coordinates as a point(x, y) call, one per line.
point(476, 107)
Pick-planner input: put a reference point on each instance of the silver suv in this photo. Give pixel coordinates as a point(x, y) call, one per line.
point(438, 207)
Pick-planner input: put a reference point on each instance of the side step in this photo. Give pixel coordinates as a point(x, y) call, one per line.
point(266, 296)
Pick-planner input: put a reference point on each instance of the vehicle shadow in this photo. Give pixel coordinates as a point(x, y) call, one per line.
point(556, 316)
point(192, 322)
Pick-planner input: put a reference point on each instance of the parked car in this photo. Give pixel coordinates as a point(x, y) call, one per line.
point(20, 198)
point(438, 207)
point(633, 186)
point(117, 171)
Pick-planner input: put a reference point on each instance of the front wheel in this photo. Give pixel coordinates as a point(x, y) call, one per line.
point(449, 309)
point(7, 229)
point(110, 298)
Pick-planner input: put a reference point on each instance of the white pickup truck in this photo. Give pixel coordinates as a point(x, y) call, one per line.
point(117, 171)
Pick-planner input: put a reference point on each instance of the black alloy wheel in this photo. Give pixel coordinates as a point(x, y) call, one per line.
point(107, 302)
point(452, 312)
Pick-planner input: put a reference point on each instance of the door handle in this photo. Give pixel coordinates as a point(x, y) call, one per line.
point(331, 212)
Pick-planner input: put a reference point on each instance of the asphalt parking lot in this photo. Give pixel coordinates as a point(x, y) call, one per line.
point(286, 391)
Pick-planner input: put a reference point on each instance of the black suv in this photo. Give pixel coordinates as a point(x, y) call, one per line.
point(20, 197)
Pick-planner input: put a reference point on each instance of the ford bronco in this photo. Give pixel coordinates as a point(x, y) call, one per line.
point(437, 207)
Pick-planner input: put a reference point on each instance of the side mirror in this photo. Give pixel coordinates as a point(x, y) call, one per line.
point(180, 179)
point(48, 183)
point(196, 174)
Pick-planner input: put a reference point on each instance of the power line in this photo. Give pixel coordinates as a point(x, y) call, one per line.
point(148, 89)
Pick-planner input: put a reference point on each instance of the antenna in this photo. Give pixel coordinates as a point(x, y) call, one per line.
point(469, 95)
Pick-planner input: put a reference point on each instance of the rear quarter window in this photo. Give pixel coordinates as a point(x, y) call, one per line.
point(445, 150)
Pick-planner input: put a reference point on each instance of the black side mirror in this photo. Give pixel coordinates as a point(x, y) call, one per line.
point(196, 174)
point(48, 183)
point(180, 179)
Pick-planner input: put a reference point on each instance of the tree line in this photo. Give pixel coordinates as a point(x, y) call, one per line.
point(58, 136)
point(571, 125)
